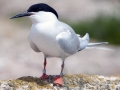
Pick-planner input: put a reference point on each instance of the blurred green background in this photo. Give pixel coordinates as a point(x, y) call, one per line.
point(99, 18)
point(102, 28)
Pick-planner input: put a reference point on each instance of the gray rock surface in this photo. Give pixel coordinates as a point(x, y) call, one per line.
point(70, 82)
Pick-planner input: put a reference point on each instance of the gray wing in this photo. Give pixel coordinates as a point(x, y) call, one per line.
point(67, 42)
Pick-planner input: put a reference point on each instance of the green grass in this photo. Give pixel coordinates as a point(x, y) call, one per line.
point(101, 28)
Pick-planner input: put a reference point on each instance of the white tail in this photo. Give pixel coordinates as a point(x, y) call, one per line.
point(96, 44)
point(101, 48)
point(92, 46)
point(84, 44)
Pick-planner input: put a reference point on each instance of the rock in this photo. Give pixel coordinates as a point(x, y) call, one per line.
point(76, 82)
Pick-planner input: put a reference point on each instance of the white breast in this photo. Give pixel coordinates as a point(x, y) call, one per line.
point(44, 37)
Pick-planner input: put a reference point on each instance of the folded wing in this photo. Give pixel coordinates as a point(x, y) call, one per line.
point(67, 42)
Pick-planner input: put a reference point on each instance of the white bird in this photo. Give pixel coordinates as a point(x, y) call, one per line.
point(53, 37)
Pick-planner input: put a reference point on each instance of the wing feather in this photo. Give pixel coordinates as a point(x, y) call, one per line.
point(67, 42)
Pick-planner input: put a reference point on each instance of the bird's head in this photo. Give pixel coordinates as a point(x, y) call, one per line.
point(39, 13)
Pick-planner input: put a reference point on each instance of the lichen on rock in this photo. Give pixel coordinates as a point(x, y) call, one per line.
point(76, 81)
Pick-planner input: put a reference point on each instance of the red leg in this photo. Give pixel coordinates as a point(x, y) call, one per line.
point(62, 67)
point(45, 62)
point(44, 76)
point(58, 79)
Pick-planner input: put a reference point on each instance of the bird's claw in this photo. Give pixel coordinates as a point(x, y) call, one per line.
point(57, 81)
point(44, 76)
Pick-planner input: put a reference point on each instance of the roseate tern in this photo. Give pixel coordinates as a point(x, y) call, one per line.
point(53, 37)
